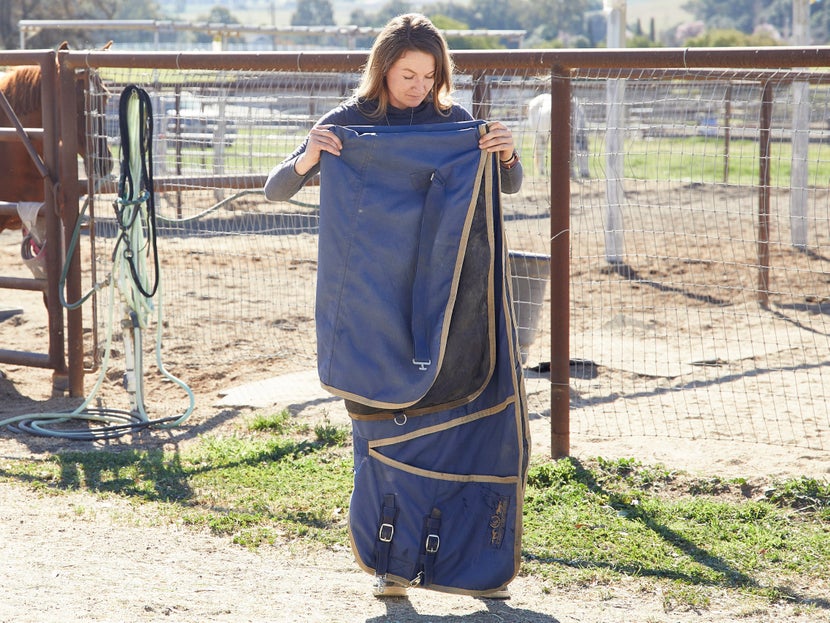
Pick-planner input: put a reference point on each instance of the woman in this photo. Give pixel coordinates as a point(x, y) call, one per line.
point(408, 81)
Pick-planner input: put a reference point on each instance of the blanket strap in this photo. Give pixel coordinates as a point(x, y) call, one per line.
point(430, 218)
point(431, 545)
point(386, 531)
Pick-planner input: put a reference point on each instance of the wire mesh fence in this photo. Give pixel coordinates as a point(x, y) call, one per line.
point(679, 326)
point(684, 336)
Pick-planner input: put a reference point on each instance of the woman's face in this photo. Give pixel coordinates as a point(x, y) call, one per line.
point(410, 79)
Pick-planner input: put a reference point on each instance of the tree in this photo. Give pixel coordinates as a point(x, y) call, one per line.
point(549, 19)
point(496, 14)
point(748, 15)
point(218, 15)
point(729, 38)
point(742, 15)
point(6, 33)
point(360, 17)
point(313, 13)
point(820, 21)
point(464, 43)
point(641, 41)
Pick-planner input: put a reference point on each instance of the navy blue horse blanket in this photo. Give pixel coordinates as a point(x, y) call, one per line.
point(415, 330)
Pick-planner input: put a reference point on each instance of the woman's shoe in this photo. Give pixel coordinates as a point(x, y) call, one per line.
point(389, 590)
point(499, 593)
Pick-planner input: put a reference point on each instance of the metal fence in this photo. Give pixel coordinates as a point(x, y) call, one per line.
point(683, 277)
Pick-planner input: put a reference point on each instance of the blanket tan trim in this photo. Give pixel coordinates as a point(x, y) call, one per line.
point(423, 432)
point(377, 404)
point(415, 585)
point(388, 441)
point(427, 473)
point(520, 394)
point(483, 169)
point(392, 414)
point(489, 160)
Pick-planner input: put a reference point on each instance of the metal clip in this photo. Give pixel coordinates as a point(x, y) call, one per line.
point(422, 365)
point(432, 543)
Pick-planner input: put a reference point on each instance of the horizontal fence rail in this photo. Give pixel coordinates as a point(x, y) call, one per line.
point(541, 61)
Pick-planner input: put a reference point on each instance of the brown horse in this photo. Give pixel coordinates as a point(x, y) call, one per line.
point(20, 179)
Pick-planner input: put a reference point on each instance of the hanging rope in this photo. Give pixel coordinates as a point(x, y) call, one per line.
point(135, 208)
point(136, 280)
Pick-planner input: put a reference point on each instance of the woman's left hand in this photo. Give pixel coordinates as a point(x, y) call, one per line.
point(498, 139)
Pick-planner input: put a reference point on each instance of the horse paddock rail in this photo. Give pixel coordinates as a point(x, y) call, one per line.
point(47, 164)
point(653, 263)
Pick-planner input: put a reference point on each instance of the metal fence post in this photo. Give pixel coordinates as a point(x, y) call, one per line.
point(560, 208)
point(69, 209)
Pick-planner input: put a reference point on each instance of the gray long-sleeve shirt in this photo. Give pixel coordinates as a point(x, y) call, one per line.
point(284, 182)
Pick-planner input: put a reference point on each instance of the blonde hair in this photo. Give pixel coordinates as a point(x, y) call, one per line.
point(404, 33)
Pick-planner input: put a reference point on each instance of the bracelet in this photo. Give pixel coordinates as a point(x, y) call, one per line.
point(511, 162)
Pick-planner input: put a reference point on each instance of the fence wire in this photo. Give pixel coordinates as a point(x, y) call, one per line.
point(671, 331)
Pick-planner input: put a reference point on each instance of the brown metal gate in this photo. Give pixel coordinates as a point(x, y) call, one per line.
point(47, 163)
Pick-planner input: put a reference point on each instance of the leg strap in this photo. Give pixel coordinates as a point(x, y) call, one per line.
point(386, 530)
point(431, 544)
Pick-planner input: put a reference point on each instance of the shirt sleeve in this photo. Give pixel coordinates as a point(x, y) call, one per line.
point(511, 179)
point(283, 181)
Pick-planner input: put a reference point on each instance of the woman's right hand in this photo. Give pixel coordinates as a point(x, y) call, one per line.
point(320, 139)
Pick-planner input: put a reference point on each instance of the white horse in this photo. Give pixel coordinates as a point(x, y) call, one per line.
point(538, 122)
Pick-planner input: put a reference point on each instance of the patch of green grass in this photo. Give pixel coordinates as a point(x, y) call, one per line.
point(684, 598)
point(696, 159)
point(621, 518)
point(331, 435)
point(275, 422)
point(261, 486)
point(802, 494)
point(595, 523)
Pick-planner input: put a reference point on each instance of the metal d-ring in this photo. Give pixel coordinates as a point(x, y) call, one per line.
point(403, 421)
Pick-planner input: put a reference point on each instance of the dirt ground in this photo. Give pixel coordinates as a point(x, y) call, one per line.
point(82, 558)
point(78, 557)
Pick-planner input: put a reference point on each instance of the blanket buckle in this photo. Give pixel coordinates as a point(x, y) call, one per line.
point(432, 543)
point(386, 532)
point(422, 365)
